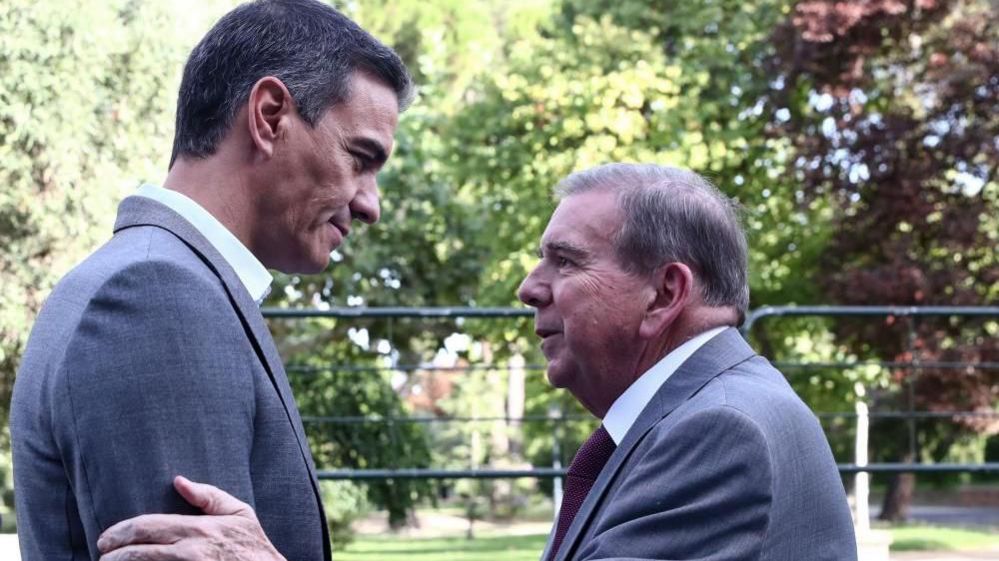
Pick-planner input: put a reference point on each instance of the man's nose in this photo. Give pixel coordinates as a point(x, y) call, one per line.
point(534, 291)
point(365, 206)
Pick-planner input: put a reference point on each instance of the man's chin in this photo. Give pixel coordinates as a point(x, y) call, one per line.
point(557, 376)
point(303, 267)
point(315, 261)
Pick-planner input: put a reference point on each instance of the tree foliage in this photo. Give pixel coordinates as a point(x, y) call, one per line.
point(85, 97)
point(900, 133)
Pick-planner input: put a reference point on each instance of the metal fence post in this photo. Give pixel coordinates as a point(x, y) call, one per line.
point(862, 481)
point(555, 413)
point(910, 382)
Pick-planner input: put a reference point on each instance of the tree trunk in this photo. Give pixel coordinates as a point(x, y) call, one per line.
point(515, 394)
point(898, 497)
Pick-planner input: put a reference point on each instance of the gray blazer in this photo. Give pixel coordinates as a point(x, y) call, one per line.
point(725, 464)
point(148, 360)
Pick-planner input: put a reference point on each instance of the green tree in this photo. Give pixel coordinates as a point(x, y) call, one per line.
point(680, 83)
point(86, 91)
point(899, 133)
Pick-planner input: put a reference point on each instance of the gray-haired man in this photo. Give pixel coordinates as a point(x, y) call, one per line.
point(151, 357)
point(704, 452)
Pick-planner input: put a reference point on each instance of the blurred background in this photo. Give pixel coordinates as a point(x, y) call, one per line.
point(860, 136)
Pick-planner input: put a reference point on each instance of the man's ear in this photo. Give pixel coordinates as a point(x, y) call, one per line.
point(270, 108)
point(674, 285)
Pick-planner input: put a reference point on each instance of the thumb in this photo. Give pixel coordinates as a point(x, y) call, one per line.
point(211, 500)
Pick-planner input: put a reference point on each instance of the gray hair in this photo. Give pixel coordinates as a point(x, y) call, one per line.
point(306, 44)
point(674, 215)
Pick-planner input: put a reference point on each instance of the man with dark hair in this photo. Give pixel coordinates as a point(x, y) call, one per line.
point(704, 451)
point(151, 357)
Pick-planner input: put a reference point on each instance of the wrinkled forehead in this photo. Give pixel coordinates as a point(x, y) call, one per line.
point(590, 220)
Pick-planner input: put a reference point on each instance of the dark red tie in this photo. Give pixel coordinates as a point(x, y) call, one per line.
point(583, 472)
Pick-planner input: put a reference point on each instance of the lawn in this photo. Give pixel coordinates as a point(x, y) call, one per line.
point(934, 538)
point(528, 548)
point(492, 548)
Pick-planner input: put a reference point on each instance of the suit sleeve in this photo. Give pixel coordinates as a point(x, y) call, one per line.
point(701, 490)
point(157, 381)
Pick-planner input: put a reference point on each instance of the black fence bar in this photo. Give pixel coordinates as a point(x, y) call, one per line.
point(363, 474)
point(549, 473)
point(835, 311)
point(309, 369)
point(398, 312)
point(306, 369)
point(419, 420)
point(938, 365)
point(751, 318)
point(353, 420)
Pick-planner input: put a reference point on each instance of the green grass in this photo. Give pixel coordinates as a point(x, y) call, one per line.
point(933, 538)
point(528, 548)
point(493, 548)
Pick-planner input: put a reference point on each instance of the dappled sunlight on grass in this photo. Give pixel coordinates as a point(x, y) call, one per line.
point(933, 538)
point(528, 548)
point(495, 548)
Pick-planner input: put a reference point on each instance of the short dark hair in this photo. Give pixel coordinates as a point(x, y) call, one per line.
point(306, 44)
point(675, 215)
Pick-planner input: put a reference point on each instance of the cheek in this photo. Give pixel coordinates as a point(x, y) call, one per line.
point(603, 313)
point(340, 174)
point(591, 288)
point(582, 312)
point(599, 299)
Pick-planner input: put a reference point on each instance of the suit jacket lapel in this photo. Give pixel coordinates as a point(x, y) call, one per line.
point(141, 211)
point(722, 352)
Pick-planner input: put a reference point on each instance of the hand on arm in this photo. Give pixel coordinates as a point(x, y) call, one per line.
point(157, 380)
point(229, 532)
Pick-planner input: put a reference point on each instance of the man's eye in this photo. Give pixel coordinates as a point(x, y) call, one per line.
point(361, 162)
point(563, 262)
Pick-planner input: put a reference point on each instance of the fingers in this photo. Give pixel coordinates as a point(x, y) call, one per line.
point(172, 537)
point(147, 553)
point(145, 529)
point(211, 500)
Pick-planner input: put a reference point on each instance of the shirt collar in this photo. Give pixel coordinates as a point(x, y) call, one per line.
point(629, 405)
point(249, 269)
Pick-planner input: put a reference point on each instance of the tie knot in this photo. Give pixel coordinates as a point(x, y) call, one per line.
point(593, 454)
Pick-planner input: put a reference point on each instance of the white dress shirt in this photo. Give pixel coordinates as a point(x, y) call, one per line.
point(626, 408)
point(249, 269)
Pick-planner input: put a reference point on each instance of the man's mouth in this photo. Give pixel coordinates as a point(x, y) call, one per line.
point(545, 333)
point(344, 230)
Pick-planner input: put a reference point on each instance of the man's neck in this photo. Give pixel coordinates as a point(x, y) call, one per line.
point(628, 406)
point(217, 190)
point(686, 328)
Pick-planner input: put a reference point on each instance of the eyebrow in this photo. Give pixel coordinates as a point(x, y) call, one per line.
point(375, 150)
point(563, 247)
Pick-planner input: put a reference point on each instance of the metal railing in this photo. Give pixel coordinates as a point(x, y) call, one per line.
point(753, 318)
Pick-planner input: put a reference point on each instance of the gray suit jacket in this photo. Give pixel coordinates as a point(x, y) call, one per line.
point(725, 464)
point(148, 360)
